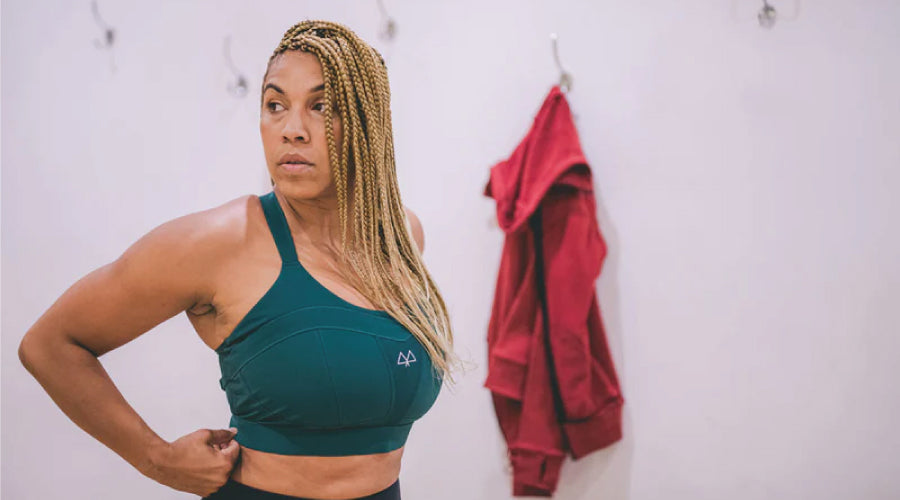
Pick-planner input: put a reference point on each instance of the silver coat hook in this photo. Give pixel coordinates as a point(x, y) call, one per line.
point(109, 34)
point(238, 88)
point(389, 30)
point(767, 15)
point(565, 78)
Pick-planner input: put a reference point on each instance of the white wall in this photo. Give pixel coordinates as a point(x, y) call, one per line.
point(746, 181)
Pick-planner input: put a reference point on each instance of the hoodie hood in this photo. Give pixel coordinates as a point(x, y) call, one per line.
point(550, 154)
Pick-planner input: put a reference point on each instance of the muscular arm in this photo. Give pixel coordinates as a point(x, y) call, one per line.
point(163, 273)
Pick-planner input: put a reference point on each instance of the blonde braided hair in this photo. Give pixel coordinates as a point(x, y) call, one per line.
point(379, 258)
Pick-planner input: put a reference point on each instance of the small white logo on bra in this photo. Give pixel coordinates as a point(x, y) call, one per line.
point(407, 359)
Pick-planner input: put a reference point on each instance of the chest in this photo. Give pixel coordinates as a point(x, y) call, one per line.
point(242, 285)
point(305, 357)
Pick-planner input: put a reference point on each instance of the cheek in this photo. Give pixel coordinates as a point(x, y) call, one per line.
point(265, 133)
point(338, 132)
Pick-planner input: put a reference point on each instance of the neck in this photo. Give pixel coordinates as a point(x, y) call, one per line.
point(314, 222)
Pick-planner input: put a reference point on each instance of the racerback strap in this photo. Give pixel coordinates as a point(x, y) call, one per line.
point(279, 227)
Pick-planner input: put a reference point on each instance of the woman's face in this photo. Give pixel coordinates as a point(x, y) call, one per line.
point(292, 122)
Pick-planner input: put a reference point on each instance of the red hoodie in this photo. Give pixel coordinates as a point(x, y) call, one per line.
point(552, 379)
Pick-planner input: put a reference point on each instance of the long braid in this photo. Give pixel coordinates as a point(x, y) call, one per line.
point(377, 254)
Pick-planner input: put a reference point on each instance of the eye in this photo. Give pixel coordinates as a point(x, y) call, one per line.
point(319, 106)
point(271, 105)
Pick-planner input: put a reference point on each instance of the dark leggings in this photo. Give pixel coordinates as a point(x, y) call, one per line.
point(233, 490)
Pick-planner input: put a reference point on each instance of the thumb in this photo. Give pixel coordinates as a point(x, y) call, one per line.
point(221, 435)
point(232, 450)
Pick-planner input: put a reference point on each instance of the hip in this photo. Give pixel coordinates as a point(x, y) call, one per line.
point(233, 490)
point(316, 477)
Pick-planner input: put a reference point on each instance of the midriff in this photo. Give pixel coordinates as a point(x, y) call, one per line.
point(326, 478)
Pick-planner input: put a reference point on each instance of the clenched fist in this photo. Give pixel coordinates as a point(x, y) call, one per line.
point(199, 462)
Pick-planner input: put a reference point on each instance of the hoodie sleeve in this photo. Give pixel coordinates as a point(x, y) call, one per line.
point(573, 253)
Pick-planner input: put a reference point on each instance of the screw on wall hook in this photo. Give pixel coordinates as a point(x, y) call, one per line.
point(237, 88)
point(109, 34)
point(565, 78)
point(767, 15)
point(389, 29)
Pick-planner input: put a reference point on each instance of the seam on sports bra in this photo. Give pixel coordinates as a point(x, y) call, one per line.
point(267, 347)
point(393, 390)
point(304, 330)
point(230, 337)
point(268, 409)
point(320, 428)
point(337, 404)
point(364, 332)
point(370, 312)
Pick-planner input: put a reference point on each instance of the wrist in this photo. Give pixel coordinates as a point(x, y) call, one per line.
point(155, 457)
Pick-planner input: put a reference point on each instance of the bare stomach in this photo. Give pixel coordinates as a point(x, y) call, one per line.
point(325, 478)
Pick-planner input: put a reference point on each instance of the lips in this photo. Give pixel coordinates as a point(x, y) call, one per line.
point(294, 158)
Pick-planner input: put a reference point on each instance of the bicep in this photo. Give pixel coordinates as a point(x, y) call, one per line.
point(160, 275)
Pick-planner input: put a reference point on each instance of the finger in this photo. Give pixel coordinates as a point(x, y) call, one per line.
point(222, 435)
point(223, 446)
point(232, 450)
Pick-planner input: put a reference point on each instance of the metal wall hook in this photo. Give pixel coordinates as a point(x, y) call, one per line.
point(109, 34)
point(767, 15)
point(238, 87)
point(389, 29)
point(565, 78)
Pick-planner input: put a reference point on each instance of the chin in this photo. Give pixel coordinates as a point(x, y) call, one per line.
point(299, 188)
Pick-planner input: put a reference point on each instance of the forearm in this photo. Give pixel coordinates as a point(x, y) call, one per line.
point(77, 382)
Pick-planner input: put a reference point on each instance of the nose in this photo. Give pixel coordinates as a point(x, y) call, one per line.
point(295, 129)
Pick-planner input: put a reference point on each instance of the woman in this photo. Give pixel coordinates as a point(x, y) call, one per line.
point(331, 335)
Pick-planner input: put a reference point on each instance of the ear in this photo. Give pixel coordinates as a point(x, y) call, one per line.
point(414, 226)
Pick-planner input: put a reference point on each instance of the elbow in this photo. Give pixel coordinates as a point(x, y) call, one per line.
point(415, 227)
point(24, 352)
point(35, 348)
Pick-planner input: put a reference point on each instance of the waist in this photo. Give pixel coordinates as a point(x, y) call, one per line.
point(330, 442)
point(326, 478)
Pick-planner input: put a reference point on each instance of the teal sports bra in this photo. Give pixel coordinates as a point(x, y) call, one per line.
point(307, 373)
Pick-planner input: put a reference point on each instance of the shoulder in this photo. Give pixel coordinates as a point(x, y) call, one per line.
point(170, 269)
point(415, 226)
point(215, 230)
point(200, 243)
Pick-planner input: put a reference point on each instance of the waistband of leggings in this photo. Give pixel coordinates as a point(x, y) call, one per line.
point(389, 493)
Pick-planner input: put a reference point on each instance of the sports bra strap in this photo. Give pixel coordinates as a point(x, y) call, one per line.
point(279, 227)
